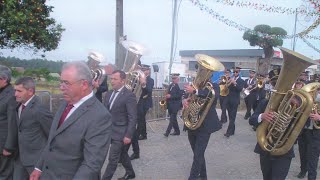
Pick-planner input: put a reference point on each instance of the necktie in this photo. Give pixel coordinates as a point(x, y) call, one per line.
point(22, 108)
point(112, 98)
point(65, 114)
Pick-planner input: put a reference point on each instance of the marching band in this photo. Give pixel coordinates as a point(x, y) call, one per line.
point(281, 106)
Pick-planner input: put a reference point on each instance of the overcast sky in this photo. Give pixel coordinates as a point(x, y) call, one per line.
point(90, 25)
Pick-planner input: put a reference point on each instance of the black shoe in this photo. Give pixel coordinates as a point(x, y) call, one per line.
point(301, 175)
point(134, 156)
point(127, 176)
point(247, 116)
point(254, 128)
point(166, 134)
point(142, 137)
point(227, 135)
point(223, 121)
point(175, 134)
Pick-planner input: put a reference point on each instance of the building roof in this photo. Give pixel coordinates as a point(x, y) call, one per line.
point(224, 53)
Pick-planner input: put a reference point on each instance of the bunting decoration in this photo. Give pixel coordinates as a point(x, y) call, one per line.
point(310, 45)
point(240, 27)
point(267, 8)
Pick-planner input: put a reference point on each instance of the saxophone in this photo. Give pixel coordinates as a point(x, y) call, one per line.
point(291, 107)
point(131, 66)
point(224, 90)
point(194, 114)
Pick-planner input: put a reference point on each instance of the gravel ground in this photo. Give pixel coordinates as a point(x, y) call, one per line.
point(226, 159)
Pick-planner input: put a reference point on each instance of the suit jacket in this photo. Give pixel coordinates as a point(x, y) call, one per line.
point(33, 131)
point(78, 148)
point(211, 122)
point(234, 91)
point(102, 88)
point(254, 121)
point(146, 95)
point(123, 114)
point(8, 126)
point(174, 102)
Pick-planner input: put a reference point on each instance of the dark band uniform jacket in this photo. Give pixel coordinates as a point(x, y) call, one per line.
point(78, 148)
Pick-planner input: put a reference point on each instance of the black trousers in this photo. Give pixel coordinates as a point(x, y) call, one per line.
point(118, 150)
point(274, 168)
point(313, 157)
point(173, 122)
point(198, 141)
point(223, 104)
point(232, 108)
point(135, 143)
point(304, 143)
point(142, 124)
point(250, 101)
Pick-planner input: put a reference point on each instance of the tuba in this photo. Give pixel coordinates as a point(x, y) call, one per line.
point(194, 114)
point(132, 68)
point(224, 90)
point(291, 107)
point(98, 74)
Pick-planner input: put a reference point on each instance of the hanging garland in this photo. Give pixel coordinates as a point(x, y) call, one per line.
point(268, 8)
point(310, 45)
point(240, 27)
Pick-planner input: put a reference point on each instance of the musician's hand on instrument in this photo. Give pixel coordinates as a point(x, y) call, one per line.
point(189, 89)
point(185, 103)
point(315, 117)
point(168, 96)
point(267, 116)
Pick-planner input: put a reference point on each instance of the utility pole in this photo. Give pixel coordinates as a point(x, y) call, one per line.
point(295, 31)
point(119, 59)
point(174, 20)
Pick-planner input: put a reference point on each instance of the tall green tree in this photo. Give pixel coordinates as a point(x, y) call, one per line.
point(265, 37)
point(27, 24)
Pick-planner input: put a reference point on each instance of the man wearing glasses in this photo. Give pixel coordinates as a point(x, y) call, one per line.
point(79, 137)
point(236, 85)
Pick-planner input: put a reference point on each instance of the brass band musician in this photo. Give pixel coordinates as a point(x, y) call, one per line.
point(250, 87)
point(224, 91)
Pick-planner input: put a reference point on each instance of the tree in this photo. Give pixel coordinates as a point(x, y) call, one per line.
point(265, 37)
point(26, 23)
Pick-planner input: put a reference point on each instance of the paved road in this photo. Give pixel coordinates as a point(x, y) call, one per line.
point(227, 159)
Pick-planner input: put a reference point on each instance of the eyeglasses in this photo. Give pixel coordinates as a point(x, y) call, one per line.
point(236, 71)
point(67, 83)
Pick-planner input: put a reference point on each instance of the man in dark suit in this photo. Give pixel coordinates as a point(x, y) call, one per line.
point(80, 133)
point(223, 99)
point(173, 97)
point(33, 123)
point(272, 167)
point(145, 103)
point(199, 138)
point(251, 98)
point(8, 126)
point(122, 104)
point(235, 87)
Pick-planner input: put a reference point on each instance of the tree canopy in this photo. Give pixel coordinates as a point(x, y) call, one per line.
point(27, 24)
point(265, 37)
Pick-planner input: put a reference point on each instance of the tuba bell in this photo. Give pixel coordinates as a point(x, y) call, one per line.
point(194, 114)
point(134, 75)
point(291, 107)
